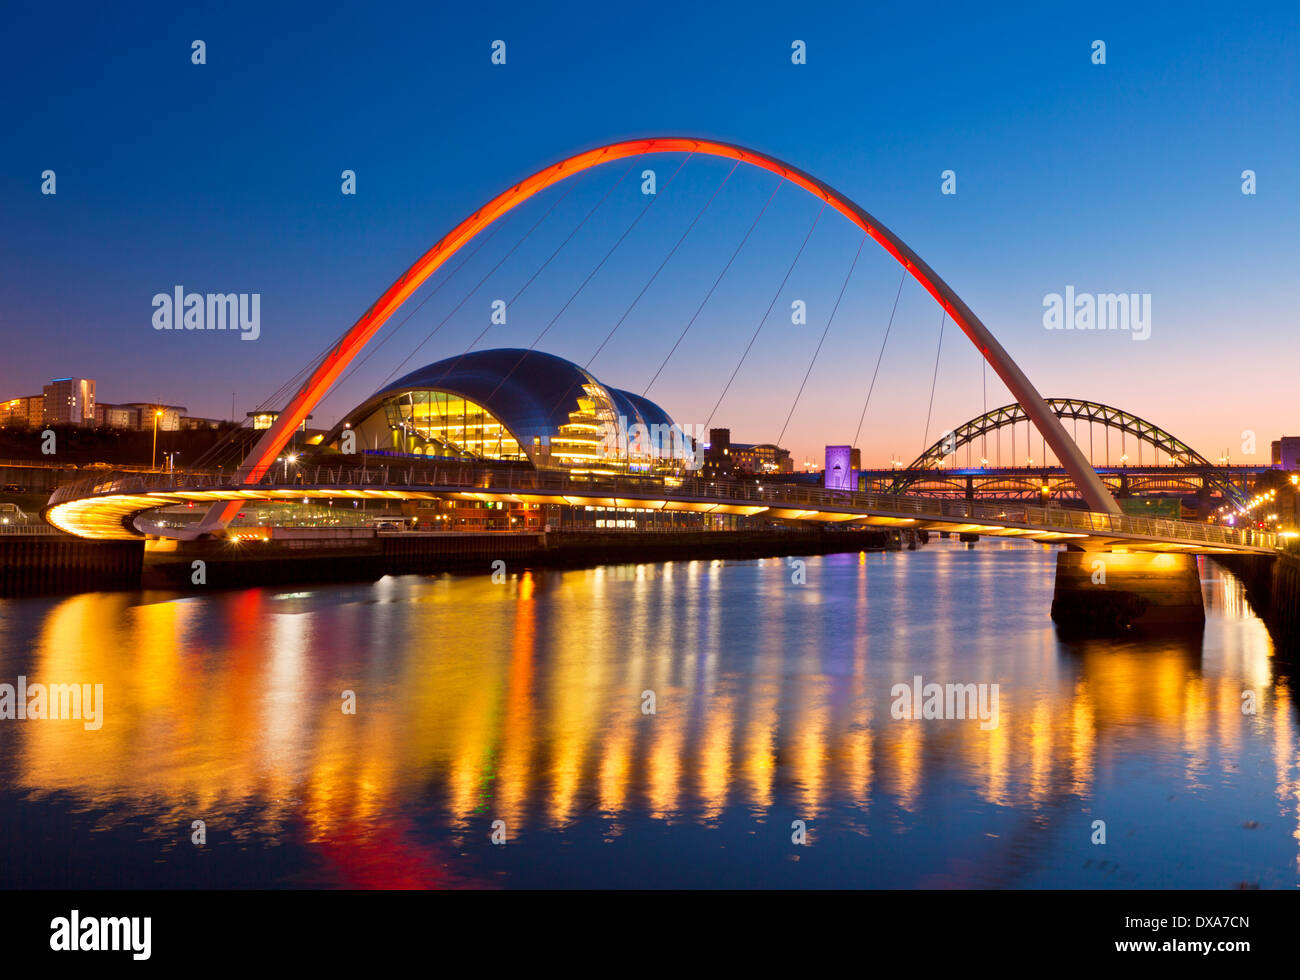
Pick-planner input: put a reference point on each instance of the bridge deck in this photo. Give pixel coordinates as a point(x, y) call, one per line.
point(104, 507)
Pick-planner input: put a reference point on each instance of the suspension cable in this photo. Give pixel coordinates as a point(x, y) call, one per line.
point(479, 285)
point(591, 275)
point(775, 297)
point(230, 441)
point(925, 441)
point(829, 321)
point(716, 281)
point(655, 274)
point(880, 357)
point(519, 292)
point(390, 334)
point(627, 312)
point(824, 332)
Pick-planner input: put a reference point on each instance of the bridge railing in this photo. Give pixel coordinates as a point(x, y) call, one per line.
point(740, 492)
point(32, 527)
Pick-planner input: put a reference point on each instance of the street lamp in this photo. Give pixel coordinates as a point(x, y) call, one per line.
point(153, 455)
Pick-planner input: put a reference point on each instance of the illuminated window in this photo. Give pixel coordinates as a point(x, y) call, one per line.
point(578, 441)
point(438, 423)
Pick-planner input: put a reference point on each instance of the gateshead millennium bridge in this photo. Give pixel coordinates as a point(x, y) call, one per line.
point(1114, 565)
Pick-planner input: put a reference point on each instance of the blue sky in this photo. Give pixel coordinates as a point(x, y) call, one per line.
point(225, 177)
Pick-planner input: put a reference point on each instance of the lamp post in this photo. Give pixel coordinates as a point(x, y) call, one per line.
point(153, 455)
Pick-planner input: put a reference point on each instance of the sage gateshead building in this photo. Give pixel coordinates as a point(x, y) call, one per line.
point(512, 405)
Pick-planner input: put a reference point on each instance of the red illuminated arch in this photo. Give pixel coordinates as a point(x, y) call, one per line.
point(334, 363)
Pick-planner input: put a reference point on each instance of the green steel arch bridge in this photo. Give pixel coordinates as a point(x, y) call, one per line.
point(961, 462)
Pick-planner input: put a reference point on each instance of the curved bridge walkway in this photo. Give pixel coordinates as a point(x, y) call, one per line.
point(106, 507)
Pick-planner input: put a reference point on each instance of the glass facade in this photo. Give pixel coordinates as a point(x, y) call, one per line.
point(509, 405)
point(438, 423)
point(579, 443)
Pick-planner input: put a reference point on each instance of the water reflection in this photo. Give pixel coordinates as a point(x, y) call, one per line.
point(527, 702)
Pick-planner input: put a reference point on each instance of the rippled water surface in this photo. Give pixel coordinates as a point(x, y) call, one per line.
point(525, 702)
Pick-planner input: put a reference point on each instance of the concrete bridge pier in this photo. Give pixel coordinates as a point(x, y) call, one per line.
point(1111, 591)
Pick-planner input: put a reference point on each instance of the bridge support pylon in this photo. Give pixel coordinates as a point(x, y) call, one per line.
point(1100, 592)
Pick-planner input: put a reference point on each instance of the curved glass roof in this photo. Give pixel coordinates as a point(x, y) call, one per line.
point(532, 393)
point(650, 413)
